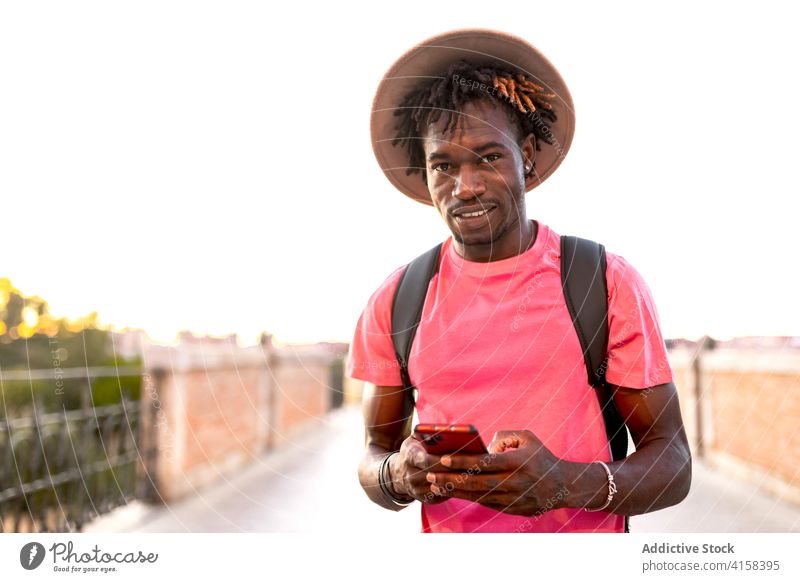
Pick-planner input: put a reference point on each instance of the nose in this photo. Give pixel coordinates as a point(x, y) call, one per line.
point(468, 183)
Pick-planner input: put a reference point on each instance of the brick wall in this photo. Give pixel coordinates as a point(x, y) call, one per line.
point(749, 414)
point(303, 394)
point(210, 410)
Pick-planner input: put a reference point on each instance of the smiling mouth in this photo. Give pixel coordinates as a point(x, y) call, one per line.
point(466, 216)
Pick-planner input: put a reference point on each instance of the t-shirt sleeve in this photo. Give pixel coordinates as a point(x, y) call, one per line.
point(637, 356)
point(371, 357)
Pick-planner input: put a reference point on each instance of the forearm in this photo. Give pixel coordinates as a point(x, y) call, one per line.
point(656, 476)
point(368, 476)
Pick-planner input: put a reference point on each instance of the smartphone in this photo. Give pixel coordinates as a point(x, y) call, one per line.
point(450, 439)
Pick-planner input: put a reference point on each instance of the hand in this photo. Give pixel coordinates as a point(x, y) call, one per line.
point(519, 475)
point(408, 468)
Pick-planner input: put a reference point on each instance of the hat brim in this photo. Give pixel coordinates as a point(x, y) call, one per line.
point(432, 58)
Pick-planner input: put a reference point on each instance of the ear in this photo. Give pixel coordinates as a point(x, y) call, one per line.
point(528, 148)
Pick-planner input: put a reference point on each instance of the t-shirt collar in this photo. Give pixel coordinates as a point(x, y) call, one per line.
point(503, 266)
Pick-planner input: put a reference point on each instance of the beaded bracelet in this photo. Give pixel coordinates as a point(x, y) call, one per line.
point(612, 488)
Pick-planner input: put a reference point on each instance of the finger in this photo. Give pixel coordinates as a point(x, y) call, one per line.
point(413, 446)
point(512, 439)
point(502, 440)
point(499, 501)
point(476, 496)
point(503, 445)
point(421, 458)
point(419, 488)
point(491, 462)
point(428, 462)
point(465, 482)
point(419, 479)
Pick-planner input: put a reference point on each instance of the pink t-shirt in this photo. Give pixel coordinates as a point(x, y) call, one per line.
point(496, 348)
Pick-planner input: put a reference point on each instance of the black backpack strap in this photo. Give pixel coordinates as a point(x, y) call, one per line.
point(407, 304)
point(583, 278)
point(583, 269)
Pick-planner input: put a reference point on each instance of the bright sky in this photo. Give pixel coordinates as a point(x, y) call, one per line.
point(207, 165)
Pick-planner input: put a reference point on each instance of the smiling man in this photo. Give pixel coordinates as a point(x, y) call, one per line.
point(475, 180)
point(469, 122)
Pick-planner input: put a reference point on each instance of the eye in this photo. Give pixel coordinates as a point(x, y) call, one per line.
point(440, 167)
point(490, 158)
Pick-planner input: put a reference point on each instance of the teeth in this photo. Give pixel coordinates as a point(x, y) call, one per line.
point(471, 214)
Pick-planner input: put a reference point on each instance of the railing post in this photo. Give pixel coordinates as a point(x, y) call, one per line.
point(705, 343)
point(270, 392)
point(152, 381)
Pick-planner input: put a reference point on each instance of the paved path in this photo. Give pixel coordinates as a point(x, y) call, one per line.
point(311, 485)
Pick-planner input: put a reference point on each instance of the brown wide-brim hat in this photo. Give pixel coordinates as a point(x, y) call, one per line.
point(432, 57)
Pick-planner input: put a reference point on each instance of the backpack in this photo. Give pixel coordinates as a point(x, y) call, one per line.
point(583, 279)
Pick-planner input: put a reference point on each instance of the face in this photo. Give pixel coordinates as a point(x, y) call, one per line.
point(480, 167)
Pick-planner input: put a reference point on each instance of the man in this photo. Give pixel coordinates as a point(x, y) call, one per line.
point(468, 122)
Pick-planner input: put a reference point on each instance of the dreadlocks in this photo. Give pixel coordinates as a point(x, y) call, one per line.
point(525, 102)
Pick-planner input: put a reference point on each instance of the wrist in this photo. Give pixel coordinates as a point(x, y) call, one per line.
point(586, 483)
point(394, 481)
point(384, 481)
point(612, 488)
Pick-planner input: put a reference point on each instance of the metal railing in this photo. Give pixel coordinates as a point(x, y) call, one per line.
point(61, 469)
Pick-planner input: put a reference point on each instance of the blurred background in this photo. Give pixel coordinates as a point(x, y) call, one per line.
point(193, 221)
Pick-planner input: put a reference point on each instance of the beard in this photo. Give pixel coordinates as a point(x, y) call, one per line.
point(493, 235)
point(482, 239)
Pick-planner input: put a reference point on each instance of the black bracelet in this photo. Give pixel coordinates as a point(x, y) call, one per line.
point(386, 489)
point(381, 483)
